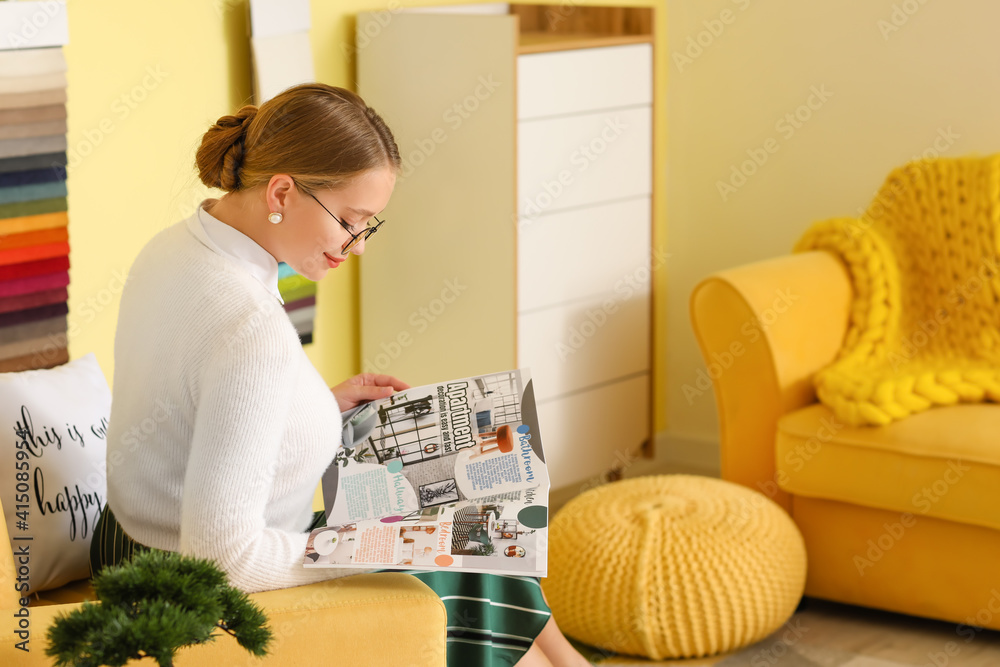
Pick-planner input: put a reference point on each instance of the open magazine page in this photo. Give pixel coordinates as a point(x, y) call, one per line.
point(466, 536)
point(450, 475)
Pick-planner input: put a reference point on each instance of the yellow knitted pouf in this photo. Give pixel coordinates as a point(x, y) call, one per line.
point(673, 566)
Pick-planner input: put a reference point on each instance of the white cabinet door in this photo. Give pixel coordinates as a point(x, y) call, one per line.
point(570, 348)
point(581, 160)
point(566, 82)
point(581, 253)
point(587, 434)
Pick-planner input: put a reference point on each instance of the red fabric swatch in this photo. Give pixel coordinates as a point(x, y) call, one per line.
point(37, 268)
point(34, 284)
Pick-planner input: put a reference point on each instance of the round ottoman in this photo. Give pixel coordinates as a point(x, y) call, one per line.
point(673, 566)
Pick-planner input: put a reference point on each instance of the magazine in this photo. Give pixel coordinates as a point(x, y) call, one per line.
point(443, 476)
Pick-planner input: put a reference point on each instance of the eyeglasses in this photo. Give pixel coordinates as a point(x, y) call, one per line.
point(355, 238)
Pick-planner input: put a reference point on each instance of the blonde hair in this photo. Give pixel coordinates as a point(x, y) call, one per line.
point(320, 135)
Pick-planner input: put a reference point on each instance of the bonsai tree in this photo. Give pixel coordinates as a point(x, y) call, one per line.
point(152, 606)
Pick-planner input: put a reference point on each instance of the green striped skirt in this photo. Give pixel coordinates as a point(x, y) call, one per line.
point(492, 619)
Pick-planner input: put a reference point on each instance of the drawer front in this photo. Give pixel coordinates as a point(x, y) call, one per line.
point(587, 434)
point(581, 253)
point(573, 347)
point(581, 80)
point(582, 160)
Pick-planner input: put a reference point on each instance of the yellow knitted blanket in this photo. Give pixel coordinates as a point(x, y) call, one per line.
point(925, 318)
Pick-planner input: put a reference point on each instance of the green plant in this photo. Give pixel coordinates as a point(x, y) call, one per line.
point(345, 454)
point(485, 549)
point(152, 606)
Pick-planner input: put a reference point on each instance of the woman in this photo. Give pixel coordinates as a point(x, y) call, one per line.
point(248, 425)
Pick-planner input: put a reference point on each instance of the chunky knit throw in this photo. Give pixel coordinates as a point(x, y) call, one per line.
point(924, 326)
point(673, 566)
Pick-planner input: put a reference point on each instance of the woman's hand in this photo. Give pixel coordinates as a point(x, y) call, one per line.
point(365, 387)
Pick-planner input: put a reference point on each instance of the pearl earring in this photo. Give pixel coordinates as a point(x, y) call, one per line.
point(274, 217)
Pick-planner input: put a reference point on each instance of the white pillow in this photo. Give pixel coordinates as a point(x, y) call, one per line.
point(52, 468)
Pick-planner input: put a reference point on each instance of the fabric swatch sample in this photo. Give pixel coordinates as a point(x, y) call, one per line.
point(280, 61)
point(46, 175)
point(32, 114)
point(32, 345)
point(24, 208)
point(36, 129)
point(31, 284)
point(29, 330)
point(35, 306)
point(32, 192)
point(36, 238)
point(39, 267)
point(35, 98)
point(32, 62)
point(39, 161)
point(296, 287)
point(32, 145)
point(31, 253)
point(31, 84)
point(302, 319)
point(301, 303)
point(31, 223)
point(47, 358)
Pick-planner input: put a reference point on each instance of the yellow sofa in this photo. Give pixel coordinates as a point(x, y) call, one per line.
point(370, 619)
point(903, 517)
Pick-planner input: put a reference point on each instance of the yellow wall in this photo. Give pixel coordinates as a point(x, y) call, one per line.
point(894, 93)
point(135, 175)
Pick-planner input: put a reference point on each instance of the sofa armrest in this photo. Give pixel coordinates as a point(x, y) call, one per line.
point(385, 618)
point(764, 330)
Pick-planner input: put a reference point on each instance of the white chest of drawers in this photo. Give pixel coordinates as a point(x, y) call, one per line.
point(519, 232)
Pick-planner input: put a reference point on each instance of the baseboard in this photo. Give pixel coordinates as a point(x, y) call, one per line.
point(699, 456)
point(672, 455)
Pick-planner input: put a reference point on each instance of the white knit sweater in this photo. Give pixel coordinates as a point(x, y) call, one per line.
point(220, 426)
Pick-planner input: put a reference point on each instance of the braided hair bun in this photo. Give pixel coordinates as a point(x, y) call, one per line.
point(222, 149)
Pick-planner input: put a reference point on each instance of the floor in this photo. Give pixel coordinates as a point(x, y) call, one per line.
point(827, 634)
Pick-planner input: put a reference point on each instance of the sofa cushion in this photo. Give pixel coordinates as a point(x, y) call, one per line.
point(52, 469)
point(943, 463)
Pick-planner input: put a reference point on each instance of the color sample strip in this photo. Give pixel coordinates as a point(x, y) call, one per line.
point(34, 223)
point(299, 294)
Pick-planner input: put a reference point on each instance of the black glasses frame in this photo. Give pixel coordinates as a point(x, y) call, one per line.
point(363, 235)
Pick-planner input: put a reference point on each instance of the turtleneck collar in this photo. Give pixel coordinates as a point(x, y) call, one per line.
point(230, 242)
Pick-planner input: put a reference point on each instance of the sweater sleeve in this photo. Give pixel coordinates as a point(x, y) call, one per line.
point(242, 408)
